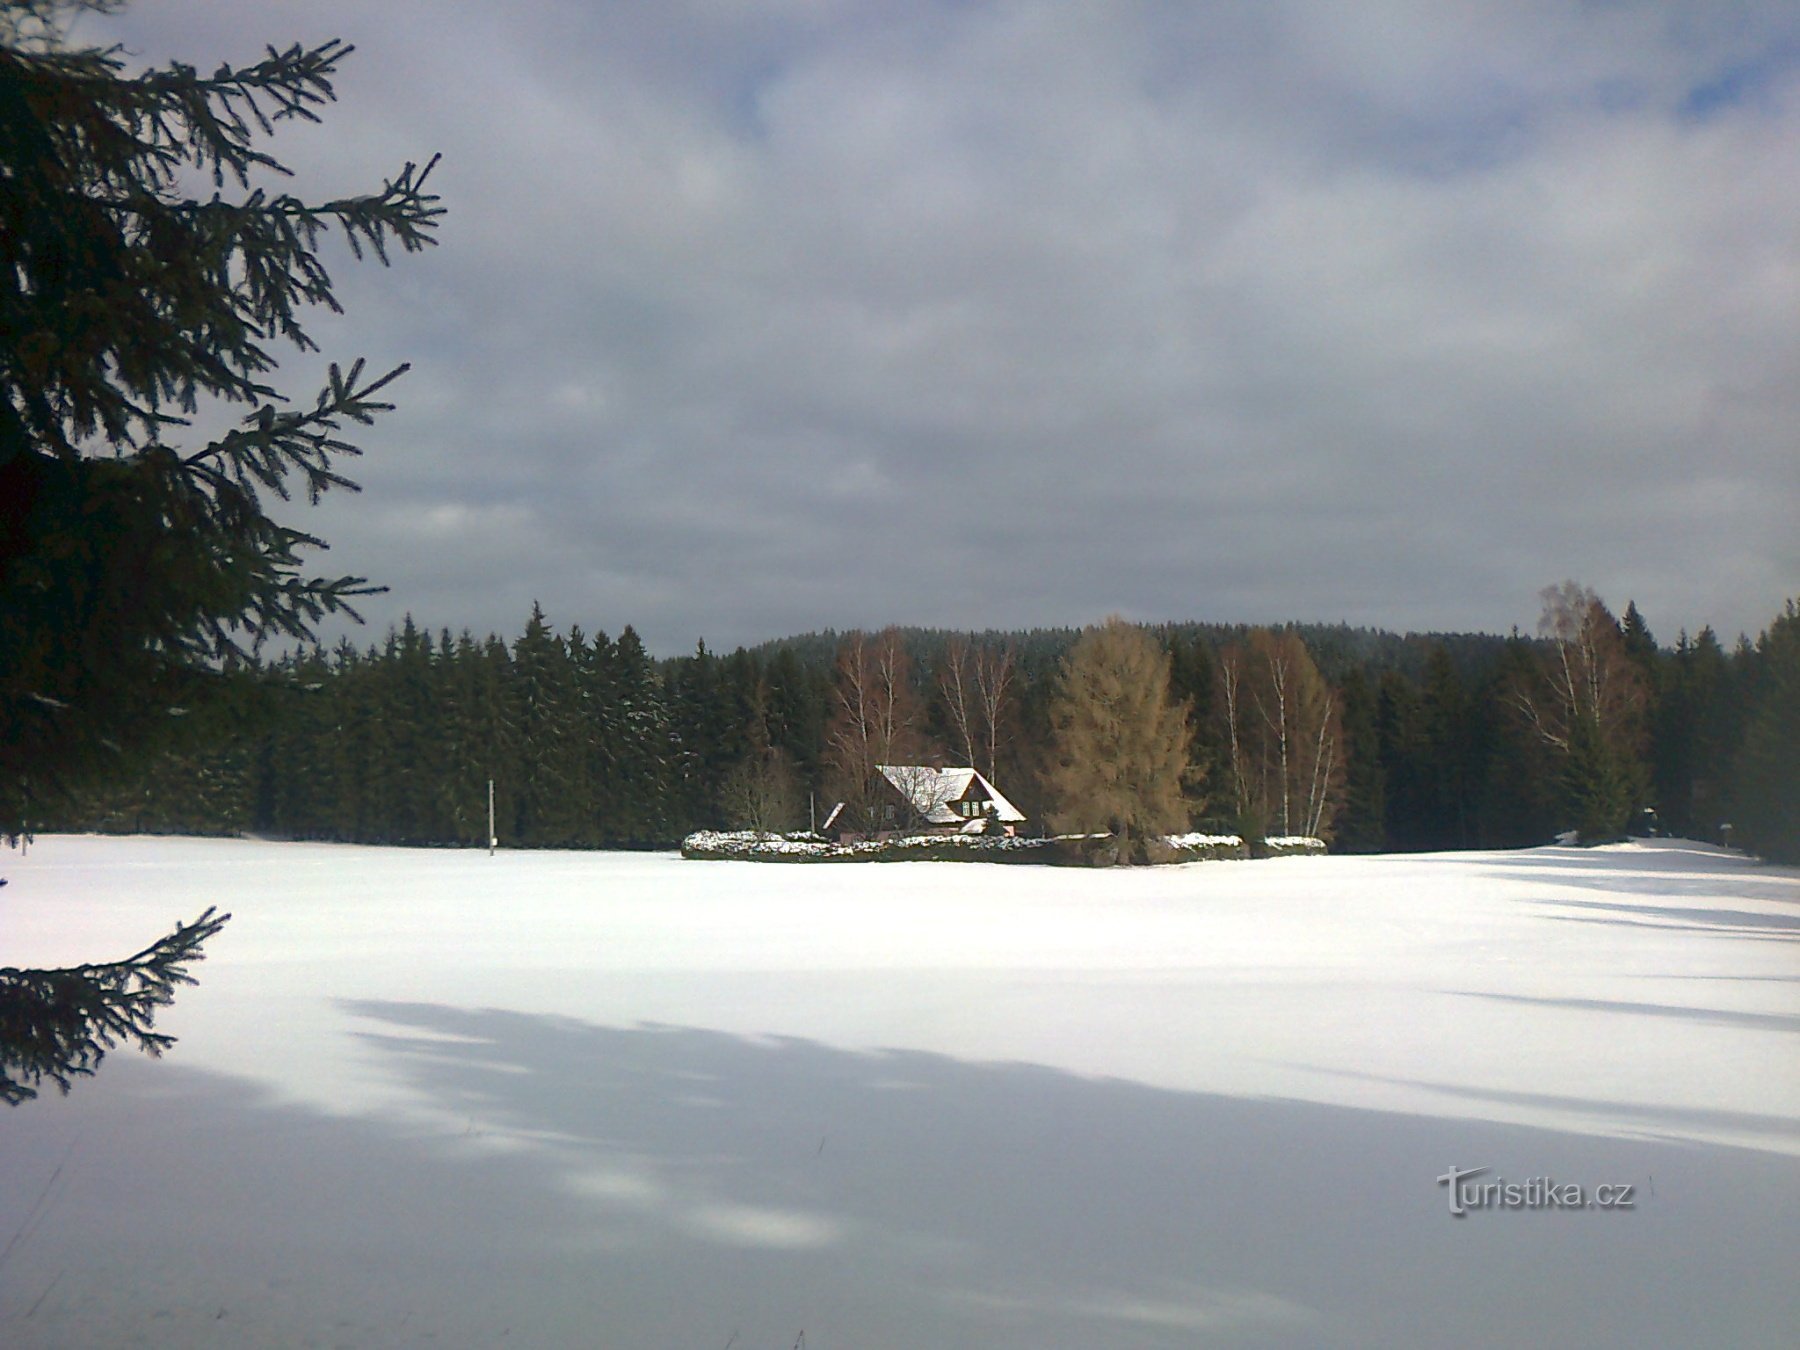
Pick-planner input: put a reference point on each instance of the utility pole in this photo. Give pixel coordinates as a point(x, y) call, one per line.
point(492, 837)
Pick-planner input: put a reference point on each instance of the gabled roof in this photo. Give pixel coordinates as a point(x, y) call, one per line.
point(931, 790)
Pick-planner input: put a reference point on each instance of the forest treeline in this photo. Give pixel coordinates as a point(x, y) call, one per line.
point(1375, 741)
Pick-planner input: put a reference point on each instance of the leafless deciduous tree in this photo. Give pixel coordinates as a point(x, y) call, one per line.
point(975, 683)
point(1282, 735)
point(1586, 675)
point(761, 792)
point(1587, 701)
point(875, 720)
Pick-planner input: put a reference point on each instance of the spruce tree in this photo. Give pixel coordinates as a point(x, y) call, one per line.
point(1448, 769)
point(132, 563)
point(1520, 780)
point(1361, 824)
point(1766, 784)
point(1404, 753)
point(646, 746)
point(549, 736)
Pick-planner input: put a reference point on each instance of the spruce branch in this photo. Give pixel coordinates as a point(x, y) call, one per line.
point(59, 1024)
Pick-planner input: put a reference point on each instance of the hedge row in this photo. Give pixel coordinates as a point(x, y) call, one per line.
point(1062, 851)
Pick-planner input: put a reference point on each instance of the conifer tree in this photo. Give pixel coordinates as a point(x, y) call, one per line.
point(131, 563)
point(795, 713)
point(134, 563)
point(1361, 823)
point(1404, 755)
point(1449, 770)
point(460, 797)
point(646, 746)
point(497, 717)
point(1767, 778)
point(1519, 791)
point(603, 736)
point(1695, 738)
point(1119, 748)
point(1640, 644)
point(550, 737)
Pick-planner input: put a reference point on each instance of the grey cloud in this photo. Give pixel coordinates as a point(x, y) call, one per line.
point(750, 320)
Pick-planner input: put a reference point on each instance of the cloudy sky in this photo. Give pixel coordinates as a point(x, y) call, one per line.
point(753, 318)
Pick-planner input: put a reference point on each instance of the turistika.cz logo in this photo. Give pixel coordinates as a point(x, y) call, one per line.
point(1467, 1194)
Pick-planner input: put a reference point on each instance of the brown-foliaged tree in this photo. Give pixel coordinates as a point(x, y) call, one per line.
point(1283, 738)
point(1119, 742)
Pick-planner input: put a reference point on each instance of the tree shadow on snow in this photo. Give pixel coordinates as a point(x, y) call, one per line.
point(657, 1186)
point(939, 1201)
point(1740, 923)
point(1655, 869)
point(1730, 1017)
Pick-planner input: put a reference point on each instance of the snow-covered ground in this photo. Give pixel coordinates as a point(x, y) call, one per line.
point(606, 1100)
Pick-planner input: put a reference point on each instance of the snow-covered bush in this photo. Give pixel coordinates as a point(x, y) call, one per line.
point(748, 846)
point(1076, 850)
point(1290, 845)
point(1179, 848)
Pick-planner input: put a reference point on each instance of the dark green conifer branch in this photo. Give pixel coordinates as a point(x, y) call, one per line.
point(57, 1025)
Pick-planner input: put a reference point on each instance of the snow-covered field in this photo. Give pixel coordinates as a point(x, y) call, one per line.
point(562, 1100)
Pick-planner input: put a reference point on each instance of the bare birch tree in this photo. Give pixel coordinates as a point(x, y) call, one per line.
point(1283, 735)
point(875, 721)
point(1587, 702)
point(975, 684)
point(1586, 674)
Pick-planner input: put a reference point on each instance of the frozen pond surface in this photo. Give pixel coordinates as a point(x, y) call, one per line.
point(554, 1099)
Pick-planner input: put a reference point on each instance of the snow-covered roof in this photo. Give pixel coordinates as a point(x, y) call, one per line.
point(931, 790)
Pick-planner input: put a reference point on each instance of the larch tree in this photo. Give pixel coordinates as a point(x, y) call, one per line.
point(1193, 680)
point(1119, 741)
point(134, 567)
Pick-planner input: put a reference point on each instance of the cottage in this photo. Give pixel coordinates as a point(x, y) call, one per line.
point(919, 799)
